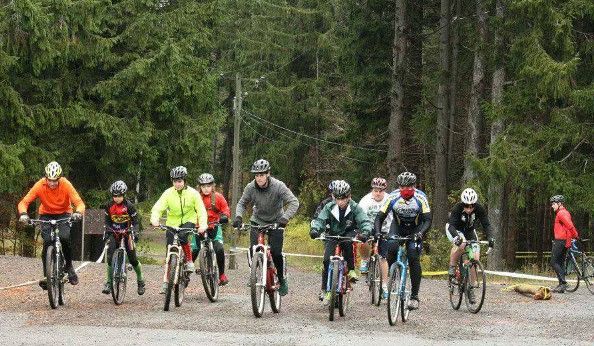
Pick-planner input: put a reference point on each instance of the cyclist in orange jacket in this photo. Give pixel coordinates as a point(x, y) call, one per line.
point(57, 195)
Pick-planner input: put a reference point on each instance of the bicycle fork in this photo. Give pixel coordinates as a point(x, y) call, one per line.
point(173, 249)
point(334, 259)
point(264, 250)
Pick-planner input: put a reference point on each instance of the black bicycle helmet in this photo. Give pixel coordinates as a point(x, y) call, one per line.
point(205, 178)
point(118, 188)
point(406, 179)
point(179, 172)
point(341, 189)
point(260, 166)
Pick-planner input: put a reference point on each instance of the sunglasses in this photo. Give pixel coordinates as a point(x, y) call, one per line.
point(468, 205)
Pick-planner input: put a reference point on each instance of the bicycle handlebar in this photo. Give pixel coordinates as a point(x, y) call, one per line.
point(260, 228)
point(53, 222)
point(177, 229)
point(339, 238)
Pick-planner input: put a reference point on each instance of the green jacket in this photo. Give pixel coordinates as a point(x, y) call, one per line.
point(354, 219)
point(181, 206)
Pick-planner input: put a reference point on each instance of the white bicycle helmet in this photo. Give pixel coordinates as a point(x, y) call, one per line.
point(53, 170)
point(205, 178)
point(469, 196)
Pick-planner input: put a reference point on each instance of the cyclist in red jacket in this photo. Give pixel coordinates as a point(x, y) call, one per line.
point(218, 213)
point(564, 233)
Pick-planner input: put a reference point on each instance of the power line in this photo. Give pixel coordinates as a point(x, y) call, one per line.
point(312, 137)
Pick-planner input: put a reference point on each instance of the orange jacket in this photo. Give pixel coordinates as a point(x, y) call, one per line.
point(53, 201)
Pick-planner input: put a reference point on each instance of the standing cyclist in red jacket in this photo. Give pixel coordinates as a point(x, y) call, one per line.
point(564, 233)
point(218, 213)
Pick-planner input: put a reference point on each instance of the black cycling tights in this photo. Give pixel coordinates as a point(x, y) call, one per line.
point(558, 254)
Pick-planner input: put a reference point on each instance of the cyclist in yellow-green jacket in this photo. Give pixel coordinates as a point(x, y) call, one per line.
point(184, 208)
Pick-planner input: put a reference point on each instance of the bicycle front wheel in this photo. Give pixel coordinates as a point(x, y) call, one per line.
point(52, 276)
point(476, 282)
point(334, 270)
point(118, 282)
point(588, 274)
point(257, 284)
point(179, 288)
point(572, 274)
point(375, 281)
point(343, 298)
point(394, 298)
point(171, 267)
point(208, 274)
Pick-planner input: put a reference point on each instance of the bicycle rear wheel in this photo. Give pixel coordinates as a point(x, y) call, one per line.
point(273, 295)
point(61, 266)
point(479, 287)
point(118, 282)
point(343, 298)
point(572, 274)
point(51, 276)
point(179, 288)
point(456, 287)
point(394, 299)
point(334, 270)
point(171, 267)
point(257, 284)
point(588, 274)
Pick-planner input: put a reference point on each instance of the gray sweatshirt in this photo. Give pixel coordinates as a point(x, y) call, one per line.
point(268, 203)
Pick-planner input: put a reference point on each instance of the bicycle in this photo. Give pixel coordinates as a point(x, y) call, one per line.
point(118, 264)
point(54, 263)
point(175, 276)
point(469, 275)
point(209, 269)
point(399, 287)
point(263, 275)
point(374, 276)
point(579, 267)
point(338, 283)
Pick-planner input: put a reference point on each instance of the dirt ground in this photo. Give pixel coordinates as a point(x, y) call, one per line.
point(90, 317)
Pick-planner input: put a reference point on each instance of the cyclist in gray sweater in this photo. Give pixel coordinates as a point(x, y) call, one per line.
point(268, 196)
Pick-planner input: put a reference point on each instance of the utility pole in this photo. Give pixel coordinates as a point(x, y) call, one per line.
point(236, 175)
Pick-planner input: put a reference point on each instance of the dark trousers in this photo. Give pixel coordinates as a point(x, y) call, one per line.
point(275, 241)
point(183, 237)
point(347, 253)
point(558, 254)
point(218, 248)
point(413, 255)
point(64, 233)
point(112, 244)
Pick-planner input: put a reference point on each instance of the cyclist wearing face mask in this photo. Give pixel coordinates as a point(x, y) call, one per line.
point(411, 217)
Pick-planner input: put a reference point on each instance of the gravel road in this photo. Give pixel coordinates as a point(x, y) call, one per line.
point(90, 317)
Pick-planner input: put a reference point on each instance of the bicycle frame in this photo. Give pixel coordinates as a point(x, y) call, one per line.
point(261, 246)
point(402, 262)
point(174, 249)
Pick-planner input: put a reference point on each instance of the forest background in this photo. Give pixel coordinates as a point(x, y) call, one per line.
point(493, 94)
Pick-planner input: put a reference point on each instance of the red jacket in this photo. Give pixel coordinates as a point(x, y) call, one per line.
point(564, 228)
point(214, 211)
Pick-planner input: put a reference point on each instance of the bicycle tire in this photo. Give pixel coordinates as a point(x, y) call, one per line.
point(61, 265)
point(214, 274)
point(481, 286)
point(572, 274)
point(51, 276)
point(405, 298)
point(274, 295)
point(205, 272)
point(257, 278)
point(171, 267)
point(379, 279)
point(179, 289)
point(118, 281)
point(333, 287)
point(344, 297)
point(588, 274)
point(394, 299)
point(374, 285)
point(456, 287)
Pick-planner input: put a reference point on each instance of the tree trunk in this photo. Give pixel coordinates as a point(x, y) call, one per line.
point(496, 184)
point(399, 51)
point(440, 198)
point(475, 116)
point(453, 89)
